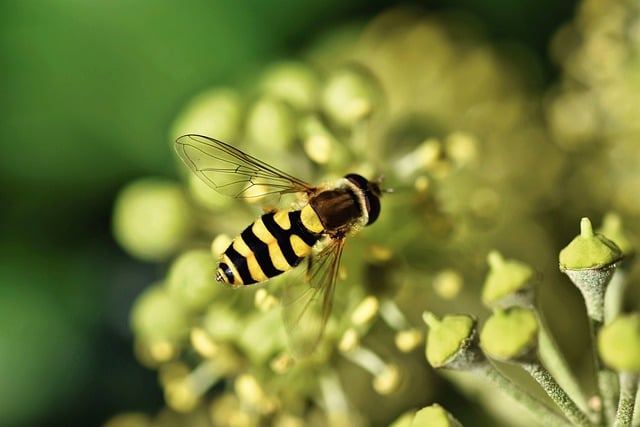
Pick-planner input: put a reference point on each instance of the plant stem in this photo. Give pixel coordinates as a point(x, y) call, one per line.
point(628, 391)
point(636, 413)
point(557, 394)
point(556, 363)
point(608, 384)
point(540, 410)
point(607, 381)
point(615, 294)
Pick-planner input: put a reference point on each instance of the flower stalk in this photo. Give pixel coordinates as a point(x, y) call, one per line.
point(628, 391)
point(511, 335)
point(511, 283)
point(543, 413)
point(557, 394)
point(457, 336)
point(590, 261)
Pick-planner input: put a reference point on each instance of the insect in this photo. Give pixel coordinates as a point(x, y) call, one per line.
point(280, 240)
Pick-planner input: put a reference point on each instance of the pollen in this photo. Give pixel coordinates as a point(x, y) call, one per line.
point(447, 284)
point(318, 148)
point(203, 343)
point(365, 311)
point(264, 301)
point(219, 244)
point(349, 341)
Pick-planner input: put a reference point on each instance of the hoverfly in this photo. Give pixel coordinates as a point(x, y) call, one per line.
point(280, 240)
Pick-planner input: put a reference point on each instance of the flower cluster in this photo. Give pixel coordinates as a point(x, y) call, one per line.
point(592, 111)
point(517, 333)
point(457, 133)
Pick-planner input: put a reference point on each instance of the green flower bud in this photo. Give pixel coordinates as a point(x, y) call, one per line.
point(448, 338)
point(191, 279)
point(219, 244)
point(619, 343)
point(462, 148)
point(262, 335)
point(151, 218)
point(349, 96)
point(434, 416)
point(404, 420)
point(270, 124)
point(156, 315)
point(508, 282)
point(205, 196)
point(319, 143)
point(293, 82)
point(612, 228)
point(216, 113)
point(589, 250)
point(222, 323)
point(510, 334)
point(590, 261)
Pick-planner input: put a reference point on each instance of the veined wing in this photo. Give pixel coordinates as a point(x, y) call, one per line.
point(232, 172)
point(306, 303)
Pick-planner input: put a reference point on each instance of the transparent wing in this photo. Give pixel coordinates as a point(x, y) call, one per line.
point(232, 172)
point(306, 302)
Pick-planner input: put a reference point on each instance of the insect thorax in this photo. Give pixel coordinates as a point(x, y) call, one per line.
point(338, 209)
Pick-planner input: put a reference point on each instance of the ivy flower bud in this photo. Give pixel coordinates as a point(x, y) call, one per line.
point(262, 336)
point(404, 420)
point(222, 324)
point(349, 96)
point(214, 112)
point(612, 228)
point(589, 250)
point(293, 82)
point(510, 334)
point(434, 416)
point(590, 261)
point(191, 279)
point(619, 348)
point(156, 315)
point(270, 124)
point(614, 301)
point(508, 283)
point(619, 343)
point(451, 341)
point(151, 218)
point(205, 196)
point(320, 144)
point(219, 244)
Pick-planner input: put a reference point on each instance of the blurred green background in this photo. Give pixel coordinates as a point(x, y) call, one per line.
point(89, 90)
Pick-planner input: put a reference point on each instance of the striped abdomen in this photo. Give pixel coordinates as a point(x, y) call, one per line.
point(275, 243)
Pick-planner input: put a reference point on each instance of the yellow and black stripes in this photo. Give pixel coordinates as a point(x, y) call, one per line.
point(273, 244)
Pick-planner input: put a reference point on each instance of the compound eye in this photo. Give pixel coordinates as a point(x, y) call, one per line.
point(371, 194)
point(360, 181)
point(373, 207)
